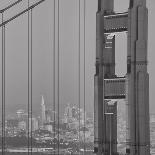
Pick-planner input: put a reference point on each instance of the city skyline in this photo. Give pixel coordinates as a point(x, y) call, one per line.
point(43, 64)
point(44, 109)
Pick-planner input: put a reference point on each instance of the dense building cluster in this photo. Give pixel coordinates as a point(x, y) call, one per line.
point(74, 131)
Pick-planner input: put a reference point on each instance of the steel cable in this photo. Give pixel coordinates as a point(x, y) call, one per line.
point(79, 48)
point(58, 75)
point(29, 80)
point(3, 87)
point(31, 37)
point(54, 70)
point(4, 92)
point(84, 73)
point(28, 76)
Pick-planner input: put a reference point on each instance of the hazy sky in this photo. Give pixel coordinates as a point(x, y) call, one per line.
point(16, 54)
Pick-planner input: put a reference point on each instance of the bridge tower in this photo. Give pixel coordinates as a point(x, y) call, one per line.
point(134, 86)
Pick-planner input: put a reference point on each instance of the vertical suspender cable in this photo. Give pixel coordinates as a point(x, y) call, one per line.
point(79, 48)
point(84, 72)
point(3, 87)
point(2, 93)
point(31, 37)
point(54, 68)
point(29, 81)
point(28, 108)
point(4, 90)
point(58, 76)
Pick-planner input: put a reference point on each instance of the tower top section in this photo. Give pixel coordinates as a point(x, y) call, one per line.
point(134, 3)
point(106, 5)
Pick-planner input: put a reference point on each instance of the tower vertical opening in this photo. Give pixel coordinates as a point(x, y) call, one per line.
point(120, 71)
point(121, 54)
point(121, 5)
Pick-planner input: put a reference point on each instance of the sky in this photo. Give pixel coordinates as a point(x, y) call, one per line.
point(16, 54)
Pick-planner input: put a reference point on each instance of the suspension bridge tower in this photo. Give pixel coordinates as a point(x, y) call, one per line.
point(134, 86)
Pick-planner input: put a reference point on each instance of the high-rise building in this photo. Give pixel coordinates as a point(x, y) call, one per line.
point(43, 110)
point(20, 113)
point(49, 127)
point(49, 115)
point(35, 124)
point(22, 125)
point(82, 116)
point(74, 112)
point(12, 123)
point(68, 111)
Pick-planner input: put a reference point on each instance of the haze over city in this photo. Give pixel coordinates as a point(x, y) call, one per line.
point(16, 55)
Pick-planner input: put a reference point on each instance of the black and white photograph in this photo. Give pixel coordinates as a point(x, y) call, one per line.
point(77, 77)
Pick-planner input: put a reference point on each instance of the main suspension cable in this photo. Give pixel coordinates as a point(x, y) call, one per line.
point(21, 13)
point(10, 6)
